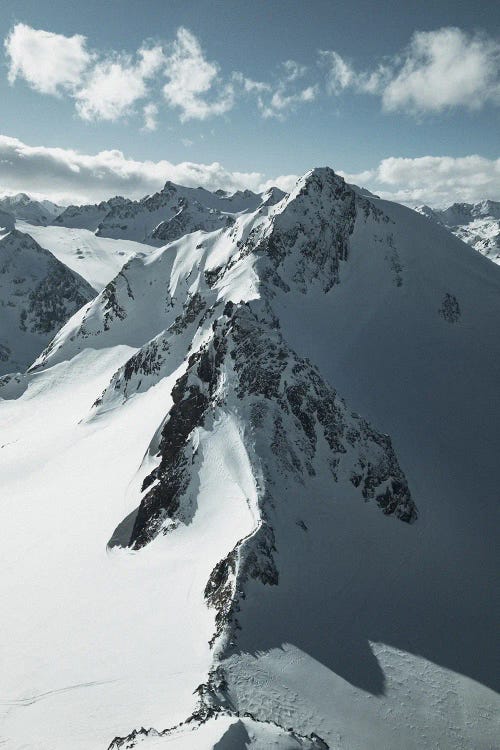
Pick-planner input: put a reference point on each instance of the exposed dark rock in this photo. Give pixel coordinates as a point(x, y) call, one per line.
point(450, 309)
point(192, 308)
point(192, 396)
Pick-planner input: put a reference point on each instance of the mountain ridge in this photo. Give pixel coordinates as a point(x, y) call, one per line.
point(222, 472)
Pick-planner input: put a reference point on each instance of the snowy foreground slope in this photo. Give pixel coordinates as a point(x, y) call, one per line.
point(206, 547)
point(477, 224)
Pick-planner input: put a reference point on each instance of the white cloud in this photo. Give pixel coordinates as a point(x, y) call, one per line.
point(150, 112)
point(151, 60)
point(436, 180)
point(279, 98)
point(65, 175)
point(340, 74)
point(106, 87)
point(293, 70)
point(49, 63)
point(281, 103)
point(284, 182)
point(115, 85)
point(194, 84)
point(439, 70)
point(446, 68)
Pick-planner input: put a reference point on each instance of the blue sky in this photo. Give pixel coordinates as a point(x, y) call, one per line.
point(404, 97)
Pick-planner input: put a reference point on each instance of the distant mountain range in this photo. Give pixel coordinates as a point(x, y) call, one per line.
point(26, 208)
point(477, 224)
point(165, 216)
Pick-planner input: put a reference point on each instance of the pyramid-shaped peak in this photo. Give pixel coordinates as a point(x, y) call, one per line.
point(318, 180)
point(169, 187)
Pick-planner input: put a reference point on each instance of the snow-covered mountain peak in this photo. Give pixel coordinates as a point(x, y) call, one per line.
point(239, 429)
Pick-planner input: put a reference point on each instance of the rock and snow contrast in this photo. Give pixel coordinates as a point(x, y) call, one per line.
point(167, 215)
point(477, 224)
point(88, 216)
point(38, 294)
point(97, 259)
point(262, 513)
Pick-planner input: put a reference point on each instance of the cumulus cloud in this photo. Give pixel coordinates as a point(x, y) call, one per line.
point(194, 86)
point(49, 63)
point(107, 86)
point(66, 175)
point(439, 70)
point(293, 70)
point(446, 68)
point(435, 180)
point(115, 85)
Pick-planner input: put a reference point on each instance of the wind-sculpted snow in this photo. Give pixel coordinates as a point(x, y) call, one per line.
point(267, 580)
point(38, 295)
point(222, 730)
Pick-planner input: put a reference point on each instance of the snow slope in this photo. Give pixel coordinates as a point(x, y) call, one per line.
point(37, 295)
point(477, 224)
point(97, 259)
point(212, 543)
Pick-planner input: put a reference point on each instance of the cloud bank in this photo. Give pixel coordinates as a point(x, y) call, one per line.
point(67, 176)
point(435, 180)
